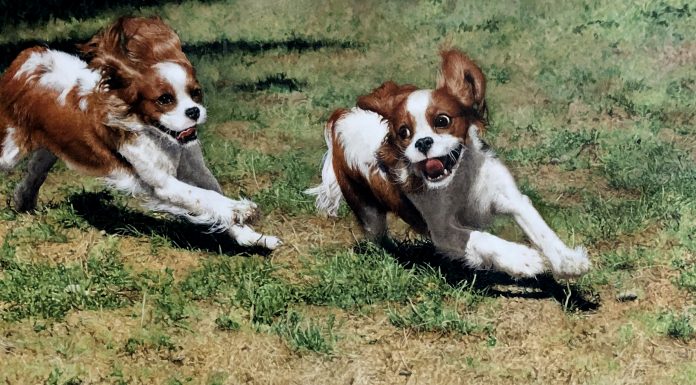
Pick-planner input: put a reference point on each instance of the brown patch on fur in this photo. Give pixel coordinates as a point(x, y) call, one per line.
point(79, 138)
point(461, 77)
point(385, 98)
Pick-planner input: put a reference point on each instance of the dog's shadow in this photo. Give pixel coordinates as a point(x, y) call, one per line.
point(491, 283)
point(100, 211)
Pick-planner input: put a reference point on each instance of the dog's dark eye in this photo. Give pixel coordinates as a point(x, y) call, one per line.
point(196, 94)
point(165, 99)
point(442, 121)
point(404, 132)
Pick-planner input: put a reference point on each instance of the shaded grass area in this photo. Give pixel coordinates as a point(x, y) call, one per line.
point(101, 210)
point(277, 82)
point(252, 285)
point(38, 11)
point(10, 50)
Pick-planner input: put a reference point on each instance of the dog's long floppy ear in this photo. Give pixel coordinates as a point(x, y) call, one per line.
point(118, 77)
point(138, 39)
point(111, 39)
point(461, 77)
point(384, 98)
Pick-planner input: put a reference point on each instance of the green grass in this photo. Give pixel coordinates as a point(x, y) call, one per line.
point(43, 290)
point(156, 341)
point(226, 323)
point(40, 232)
point(677, 326)
point(687, 277)
point(309, 335)
point(350, 279)
point(432, 315)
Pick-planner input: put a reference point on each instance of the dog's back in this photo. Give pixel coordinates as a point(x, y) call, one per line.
point(353, 138)
point(351, 170)
point(49, 99)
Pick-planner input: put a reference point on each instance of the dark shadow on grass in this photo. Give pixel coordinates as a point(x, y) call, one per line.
point(34, 12)
point(9, 51)
point(278, 81)
point(293, 44)
point(490, 283)
point(98, 209)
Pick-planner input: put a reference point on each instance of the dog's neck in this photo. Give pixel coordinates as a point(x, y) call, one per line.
point(169, 146)
point(454, 204)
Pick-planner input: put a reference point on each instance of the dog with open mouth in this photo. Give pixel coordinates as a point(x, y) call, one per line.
point(128, 113)
point(417, 153)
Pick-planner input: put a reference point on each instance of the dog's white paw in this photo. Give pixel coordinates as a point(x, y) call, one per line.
point(569, 263)
point(244, 210)
point(485, 250)
point(246, 236)
point(526, 262)
point(270, 242)
point(519, 261)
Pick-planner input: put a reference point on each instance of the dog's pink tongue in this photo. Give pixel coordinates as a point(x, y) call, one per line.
point(186, 133)
point(434, 167)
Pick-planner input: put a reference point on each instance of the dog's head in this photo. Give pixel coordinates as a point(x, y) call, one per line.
point(144, 67)
point(429, 128)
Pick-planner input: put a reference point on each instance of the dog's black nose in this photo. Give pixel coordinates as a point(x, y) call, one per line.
point(193, 113)
point(424, 144)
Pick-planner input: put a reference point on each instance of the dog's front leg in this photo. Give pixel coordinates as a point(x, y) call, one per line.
point(246, 236)
point(482, 250)
point(192, 168)
point(197, 204)
point(498, 187)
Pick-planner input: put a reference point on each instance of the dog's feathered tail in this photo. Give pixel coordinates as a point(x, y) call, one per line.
point(328, 193)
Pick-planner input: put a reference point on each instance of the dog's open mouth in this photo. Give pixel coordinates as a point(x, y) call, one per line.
point(437, 169)
point(186, 133)
point(184, 136)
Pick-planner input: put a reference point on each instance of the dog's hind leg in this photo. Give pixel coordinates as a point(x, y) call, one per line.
point(371, 216)
point(27, 191)
point(10, 153)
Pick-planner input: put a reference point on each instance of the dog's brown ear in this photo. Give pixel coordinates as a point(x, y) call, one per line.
point(384, 98)
point(111, 39)
point(118, 77)
point(461, 77)
point(138, 39)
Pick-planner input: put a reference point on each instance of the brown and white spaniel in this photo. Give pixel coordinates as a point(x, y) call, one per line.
point(417, 153)
point(127, 113)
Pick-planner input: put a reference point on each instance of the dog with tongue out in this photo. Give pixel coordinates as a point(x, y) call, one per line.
point(417, 153)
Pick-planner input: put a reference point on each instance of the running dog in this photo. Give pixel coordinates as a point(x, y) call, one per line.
point(417, 153)
point(127, 113)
